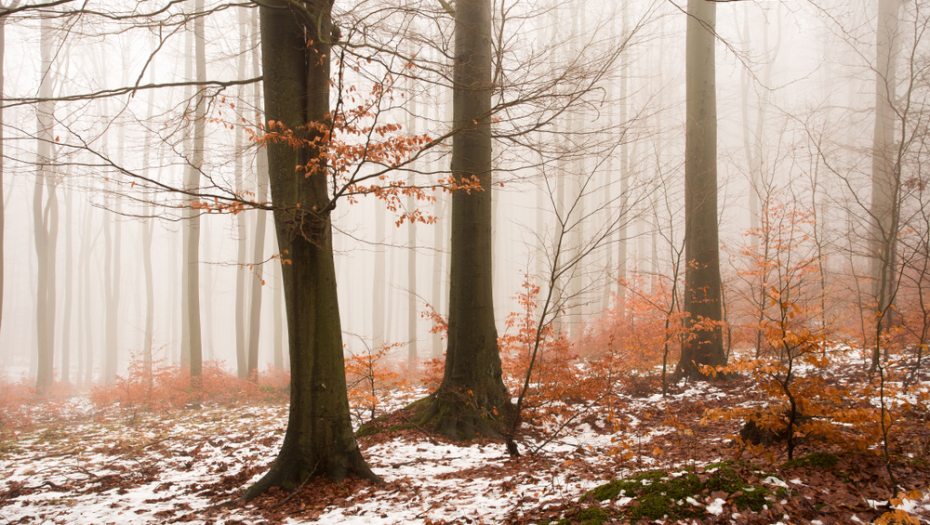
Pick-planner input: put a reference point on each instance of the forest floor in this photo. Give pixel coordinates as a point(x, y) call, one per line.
point(79, 464)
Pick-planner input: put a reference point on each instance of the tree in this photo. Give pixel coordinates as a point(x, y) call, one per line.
point(472, 398)
point(12, 5)
point(242, 360)
point(258, 248)
point(886, 167)
point(702, 274)
point(190, 310)
point(296, 45)
point(45, 216)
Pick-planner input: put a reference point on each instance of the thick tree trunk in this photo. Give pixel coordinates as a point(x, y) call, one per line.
point(702, 274)
point(472, 398)
point(319, 438)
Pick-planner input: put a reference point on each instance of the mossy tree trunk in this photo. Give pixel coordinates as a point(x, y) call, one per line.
point(472, 398)
point(702, 274)
point(319, 438)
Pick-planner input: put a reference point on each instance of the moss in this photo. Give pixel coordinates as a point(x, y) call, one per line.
point(658, 495)
point(628, 486)
point(817, 459)
point(368, 429)
point(753, 498)
point(395, 428)
point(725, 479)
point(419, 404)
point(591, 516)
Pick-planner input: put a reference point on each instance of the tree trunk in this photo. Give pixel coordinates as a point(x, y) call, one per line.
point(69, 295)
point(147, 232)
point(378, 286)
point(412, 357)
point(319, 438)
point(885, 171)
point(624, 169)
point(41, 208)
point(2, 85)
point(702, 274)
point(439, 248)
point(472, 398)
point(278, 316)
point(192, 249)
point(242, 271)
point(258, 249)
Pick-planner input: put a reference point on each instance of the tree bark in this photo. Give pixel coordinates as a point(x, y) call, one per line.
point(702, 274)
point(258, 249)
point(319, 438)
point(472, 398)
point(242, 271)
point(69, 295)
point(43, 214)
point(192, 249)
point(886, 168)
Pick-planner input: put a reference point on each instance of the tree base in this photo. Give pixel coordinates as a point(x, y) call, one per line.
point(291, 471)
point(460, 417)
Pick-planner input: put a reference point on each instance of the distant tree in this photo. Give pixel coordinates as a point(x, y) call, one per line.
point(45, 214)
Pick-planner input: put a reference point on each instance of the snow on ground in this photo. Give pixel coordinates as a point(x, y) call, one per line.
point(125, 467)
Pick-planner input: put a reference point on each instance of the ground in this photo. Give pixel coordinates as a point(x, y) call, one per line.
point(79, 464)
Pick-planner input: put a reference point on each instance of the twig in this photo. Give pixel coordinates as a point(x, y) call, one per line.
point(55, 455)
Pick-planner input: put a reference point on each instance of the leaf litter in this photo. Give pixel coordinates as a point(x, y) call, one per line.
point(108, 467)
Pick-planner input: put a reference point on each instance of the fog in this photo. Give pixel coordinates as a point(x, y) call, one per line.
point(795, 85)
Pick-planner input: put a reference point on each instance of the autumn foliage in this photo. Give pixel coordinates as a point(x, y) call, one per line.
point(166, 387)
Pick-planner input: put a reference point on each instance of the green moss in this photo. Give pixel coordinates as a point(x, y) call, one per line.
point(395, 428)
point(591, 516)
point(725, 479)
point(419, 404)
point(367, 429)
point(753, 498)
point(817, 459)
point(625, 487)
point(657, 495)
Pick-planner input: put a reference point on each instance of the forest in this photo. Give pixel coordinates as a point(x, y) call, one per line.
point(464, 261)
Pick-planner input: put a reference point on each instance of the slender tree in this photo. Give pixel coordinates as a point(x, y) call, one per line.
point(702, 274)
point(240, 312)
point(12, 5)
point(192, 248)
point(45, 216)
point(261, 219)
point(886, 166)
